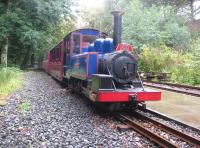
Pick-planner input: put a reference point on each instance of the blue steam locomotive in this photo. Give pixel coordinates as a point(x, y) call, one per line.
point(102, 68)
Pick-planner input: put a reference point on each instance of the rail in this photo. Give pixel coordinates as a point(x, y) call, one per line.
point(168, 129)
point(161, 141)
point(167, 118)
point(174, 84)
point(185, 89)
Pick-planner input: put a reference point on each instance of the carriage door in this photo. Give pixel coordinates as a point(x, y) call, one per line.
point(76, 43)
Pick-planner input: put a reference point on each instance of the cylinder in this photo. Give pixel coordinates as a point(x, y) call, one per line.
point(117, 29)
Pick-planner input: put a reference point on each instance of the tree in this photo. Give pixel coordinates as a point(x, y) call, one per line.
point(185, 8)
point(3, 18)
point(154, 26)
point(101, 18)
point(28, 27)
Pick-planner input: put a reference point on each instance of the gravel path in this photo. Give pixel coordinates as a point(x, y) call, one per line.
point(57, 119)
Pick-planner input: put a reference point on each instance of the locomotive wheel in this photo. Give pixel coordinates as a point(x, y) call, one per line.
point(122, 106)
point(92, 96)
point(114, 106)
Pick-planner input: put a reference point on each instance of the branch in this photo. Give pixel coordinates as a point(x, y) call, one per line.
point(196, 9)
point(196, 13)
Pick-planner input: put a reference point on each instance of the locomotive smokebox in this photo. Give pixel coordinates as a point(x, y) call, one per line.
point(117, 31)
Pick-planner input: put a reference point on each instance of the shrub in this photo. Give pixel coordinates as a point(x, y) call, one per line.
point(156, 59)
point(185, 68)
point(189, 71)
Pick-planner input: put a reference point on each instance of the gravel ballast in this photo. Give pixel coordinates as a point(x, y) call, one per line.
point(51, 117)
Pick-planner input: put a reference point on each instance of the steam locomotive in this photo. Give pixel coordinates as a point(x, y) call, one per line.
point(102, 68)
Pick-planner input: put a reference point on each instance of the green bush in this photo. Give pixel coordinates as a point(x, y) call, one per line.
point(186, 74)
point(156, 59)
point(10, 79)
point(189, 71)
point(185, 68)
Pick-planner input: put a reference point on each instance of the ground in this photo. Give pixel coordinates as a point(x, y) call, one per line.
point(44, 114)
point(2, 99)
point(183, 107)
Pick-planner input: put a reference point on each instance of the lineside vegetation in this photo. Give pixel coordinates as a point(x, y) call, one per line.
point(159, 34)
point(157, 30)
point(10, 80)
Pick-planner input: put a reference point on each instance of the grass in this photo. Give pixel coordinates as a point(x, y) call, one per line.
point(25, 106)
point(10, 80)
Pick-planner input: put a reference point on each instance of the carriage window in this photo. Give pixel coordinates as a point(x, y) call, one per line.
point(76, 43)
point(67, 45)
point(51, 56)
point(89, 38)
point(58, 54)
point(55, 54)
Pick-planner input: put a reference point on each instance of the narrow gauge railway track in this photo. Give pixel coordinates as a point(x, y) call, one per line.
point(167, 118)
point(154, 130)
point(186, 89)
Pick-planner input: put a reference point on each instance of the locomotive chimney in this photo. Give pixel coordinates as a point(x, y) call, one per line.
point(117, 31)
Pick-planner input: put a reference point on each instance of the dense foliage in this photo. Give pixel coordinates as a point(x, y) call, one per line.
point(185, 8)
point(31, 26)
point(158, 33)
point(156, 29)
point(154, 26)
point(165, 59)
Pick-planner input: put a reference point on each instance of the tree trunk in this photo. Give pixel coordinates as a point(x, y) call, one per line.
point(26, 59)
point(32, 60)
point(4, 54)
point(192, 9)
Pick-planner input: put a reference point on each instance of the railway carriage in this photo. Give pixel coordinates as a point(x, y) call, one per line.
point(102, 68)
